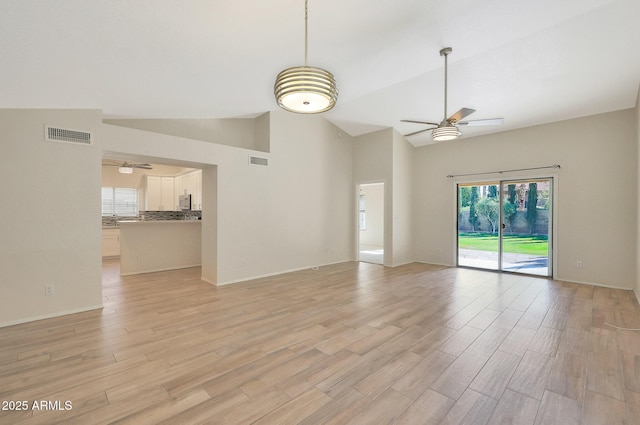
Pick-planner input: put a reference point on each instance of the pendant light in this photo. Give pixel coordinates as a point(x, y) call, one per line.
point(306, 89)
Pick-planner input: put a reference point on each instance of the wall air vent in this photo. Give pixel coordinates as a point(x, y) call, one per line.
point(256, 160)
point(54, 134)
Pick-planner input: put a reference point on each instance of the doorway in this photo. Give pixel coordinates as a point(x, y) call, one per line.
point(371, 223)
point(506, 225)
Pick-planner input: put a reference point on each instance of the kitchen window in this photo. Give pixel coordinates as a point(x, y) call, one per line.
point(119, 201)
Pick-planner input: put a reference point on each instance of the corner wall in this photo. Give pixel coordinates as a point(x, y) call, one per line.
point(402, 200)
point(597, 190)
point(372, 163)
point(51, 228)
point(637, 119)
point(259, 221)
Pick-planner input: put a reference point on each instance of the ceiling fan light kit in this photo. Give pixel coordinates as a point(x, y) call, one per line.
point(127, 167)
point(306, 89)
point(444, 133)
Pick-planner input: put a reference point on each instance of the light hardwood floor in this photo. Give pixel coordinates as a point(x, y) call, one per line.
point(352, 343)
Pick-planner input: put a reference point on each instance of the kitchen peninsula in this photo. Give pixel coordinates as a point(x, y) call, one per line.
point(151, 246)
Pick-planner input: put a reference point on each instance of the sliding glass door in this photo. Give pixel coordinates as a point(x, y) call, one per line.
point(506, 225)
point(478, 222)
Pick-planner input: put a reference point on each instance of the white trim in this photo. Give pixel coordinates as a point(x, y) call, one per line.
point(161, 270)
point(602, 285)
point(50, 316)
point(231, 282)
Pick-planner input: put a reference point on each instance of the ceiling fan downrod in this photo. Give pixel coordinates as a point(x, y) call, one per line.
point(445, 52)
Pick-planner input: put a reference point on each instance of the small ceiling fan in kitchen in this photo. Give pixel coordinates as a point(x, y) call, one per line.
point(448, 129)
point(127, 167)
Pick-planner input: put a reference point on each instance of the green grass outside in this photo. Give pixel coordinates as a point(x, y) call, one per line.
point(517, 244)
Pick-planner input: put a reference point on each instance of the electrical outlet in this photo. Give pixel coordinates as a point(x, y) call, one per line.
point(579, 264)
point(49, 290)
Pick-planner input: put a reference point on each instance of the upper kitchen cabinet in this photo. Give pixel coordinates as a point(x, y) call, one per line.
point(190, 184)
point(159, 193)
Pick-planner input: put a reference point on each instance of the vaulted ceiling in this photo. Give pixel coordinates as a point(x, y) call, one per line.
point(529, 62)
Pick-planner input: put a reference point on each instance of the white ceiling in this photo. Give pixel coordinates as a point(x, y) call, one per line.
point(530, 62)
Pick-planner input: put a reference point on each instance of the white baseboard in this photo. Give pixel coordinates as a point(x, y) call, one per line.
point(603, 285)
point(49, 316)
point(231, 282)
point(160, 270)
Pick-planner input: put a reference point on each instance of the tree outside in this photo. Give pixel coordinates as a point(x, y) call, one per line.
point(473, 215)
point(509, 213)
point(532, 207)
point(489, 208)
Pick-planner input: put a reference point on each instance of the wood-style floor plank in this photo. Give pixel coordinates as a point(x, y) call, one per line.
point(350, 343)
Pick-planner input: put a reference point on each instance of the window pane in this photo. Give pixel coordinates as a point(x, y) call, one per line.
point(107, 201)
point(126, 201)
point(119, 201)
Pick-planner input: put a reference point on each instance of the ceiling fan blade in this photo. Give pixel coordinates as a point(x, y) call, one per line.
point(419, 131)
point(144, 166)
point(464, 112)
point(420, 122)
point(475, 123)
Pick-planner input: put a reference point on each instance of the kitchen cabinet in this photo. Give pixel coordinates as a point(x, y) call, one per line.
point(159, 193)
point(168, 196)
point(110, 242)
point(190, 184)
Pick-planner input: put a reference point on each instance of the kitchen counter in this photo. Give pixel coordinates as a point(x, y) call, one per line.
point(126, 222)
point(151, 246)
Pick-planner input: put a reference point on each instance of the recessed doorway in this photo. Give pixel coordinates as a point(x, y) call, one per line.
point(371, 223)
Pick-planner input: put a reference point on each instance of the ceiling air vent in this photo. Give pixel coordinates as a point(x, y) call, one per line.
point(54, 134)
point(256, 160)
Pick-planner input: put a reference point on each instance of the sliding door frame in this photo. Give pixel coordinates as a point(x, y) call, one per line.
point(507, 177)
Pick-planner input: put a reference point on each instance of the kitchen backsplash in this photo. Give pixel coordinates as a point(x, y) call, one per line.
point(170, 215)
point(155, 216)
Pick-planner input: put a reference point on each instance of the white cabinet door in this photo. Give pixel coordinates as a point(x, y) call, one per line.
point(110, 242)
point(153, 193)
point(190, 184)
point(197, 190)
point(168, 196)
point(179, 187)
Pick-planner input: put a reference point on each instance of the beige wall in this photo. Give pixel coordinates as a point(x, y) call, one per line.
point(265, 220)
point(402, 200)
point(637, 116)
point(598, 201)
point(300, 211)
point(373, 163)
point(50, 226)
point(112, 178)
point(238, 132)
point(386, 156)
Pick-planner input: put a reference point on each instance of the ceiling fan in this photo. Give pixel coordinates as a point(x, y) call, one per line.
point(127, 167)
point(447, 129)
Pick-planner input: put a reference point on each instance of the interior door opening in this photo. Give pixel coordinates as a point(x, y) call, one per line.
point(371, 223)
point(506, 225)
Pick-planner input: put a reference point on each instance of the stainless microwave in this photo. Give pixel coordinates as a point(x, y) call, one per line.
point(184, 202)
